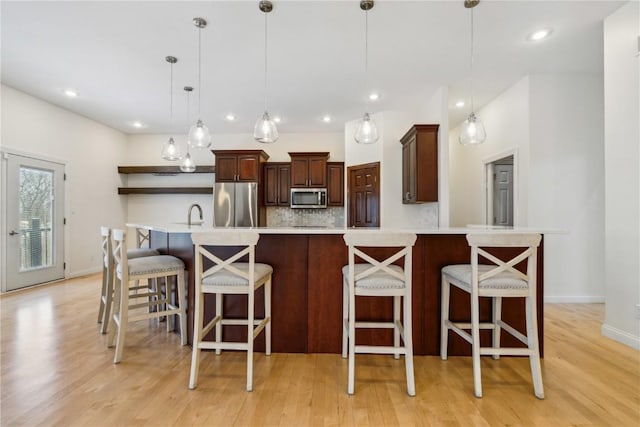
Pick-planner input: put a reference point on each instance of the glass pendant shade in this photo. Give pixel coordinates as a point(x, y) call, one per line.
point(367, 131)
point(265, 130)
point(472, 131)
point(188, 165)
point(199, 135)
point(170, 150)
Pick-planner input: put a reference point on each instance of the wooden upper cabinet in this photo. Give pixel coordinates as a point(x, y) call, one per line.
point(420, 164)
point(335, 184)
point(276, 184)
point(239, 165)
point(309, 170)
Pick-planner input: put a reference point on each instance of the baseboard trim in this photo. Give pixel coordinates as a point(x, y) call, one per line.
point(85, 272)
point(561, 299)
point(621, 336)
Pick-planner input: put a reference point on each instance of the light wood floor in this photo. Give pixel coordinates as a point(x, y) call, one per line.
point(56, 370)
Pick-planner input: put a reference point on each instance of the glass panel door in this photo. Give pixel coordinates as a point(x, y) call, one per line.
point(35, 195)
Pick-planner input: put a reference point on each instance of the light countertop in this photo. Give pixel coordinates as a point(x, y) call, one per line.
point(204, 228)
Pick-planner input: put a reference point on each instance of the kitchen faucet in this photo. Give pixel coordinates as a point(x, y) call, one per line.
point(195, 205)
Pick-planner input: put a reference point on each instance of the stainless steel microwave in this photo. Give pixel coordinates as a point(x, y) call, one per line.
point(309, 198)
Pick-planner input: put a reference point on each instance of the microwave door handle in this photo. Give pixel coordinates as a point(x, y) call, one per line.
point(319, 200)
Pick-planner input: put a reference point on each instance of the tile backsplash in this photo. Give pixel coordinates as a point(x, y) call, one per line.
point(287, 217)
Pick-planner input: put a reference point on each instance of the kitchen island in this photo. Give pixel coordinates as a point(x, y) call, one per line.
point(307, 288)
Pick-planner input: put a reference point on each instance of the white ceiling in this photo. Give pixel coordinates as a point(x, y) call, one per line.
point(113, 53)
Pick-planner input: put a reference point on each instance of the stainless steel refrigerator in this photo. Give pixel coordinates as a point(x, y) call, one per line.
point(235, 204)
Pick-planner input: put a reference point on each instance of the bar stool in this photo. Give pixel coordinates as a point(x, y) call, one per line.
point(227, 276)
point(378, 278)
point(106, 294)
point(145, 268)
point(496, 280)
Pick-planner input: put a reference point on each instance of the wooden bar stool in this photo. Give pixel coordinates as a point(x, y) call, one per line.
point(106, 294)
point(144, 268)
point(378, 278)
point(496, 280)
point(228, 276)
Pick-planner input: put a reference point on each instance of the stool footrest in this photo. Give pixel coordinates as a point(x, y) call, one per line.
point(379, 349)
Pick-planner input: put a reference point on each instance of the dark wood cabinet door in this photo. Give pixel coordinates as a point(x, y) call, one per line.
point(317, 171)
point(271, 185)
point(226, 167)
point(309, 170)
point(420, 164)
point(299, 172)
point(335, 184)
point(248, 168)
point(284, 187)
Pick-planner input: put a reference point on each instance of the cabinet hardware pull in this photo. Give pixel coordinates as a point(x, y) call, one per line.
point(408, 196)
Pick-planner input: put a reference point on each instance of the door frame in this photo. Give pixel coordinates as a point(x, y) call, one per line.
point(4, 152)
point(487, 171)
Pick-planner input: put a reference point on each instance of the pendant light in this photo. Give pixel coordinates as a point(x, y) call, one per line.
point(170, 150)
point(366, 131)
point(472, 130)
point(199, 135)
point(265, 130)
point(187, 164)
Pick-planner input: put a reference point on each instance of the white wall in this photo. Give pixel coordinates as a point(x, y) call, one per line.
point(91, 152)
point(145, 150)
point(506, 120)
point(554, 125)
point(566, 185)
point(622, 177)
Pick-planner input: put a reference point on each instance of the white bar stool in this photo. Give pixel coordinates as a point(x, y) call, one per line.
point(106, 294)
point(227, 276)
point(378, 278)
point(145, 268)
point(497, 280)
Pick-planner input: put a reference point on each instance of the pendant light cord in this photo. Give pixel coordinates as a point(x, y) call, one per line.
point(265, 61)
point(366, 56)
point(471, 63)
point(171, 93)
point(188, 93)
point(199, 69)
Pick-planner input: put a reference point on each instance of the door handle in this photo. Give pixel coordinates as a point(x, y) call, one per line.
point(13, 233)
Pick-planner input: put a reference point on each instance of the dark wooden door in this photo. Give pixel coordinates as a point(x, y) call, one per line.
point(363, 195)
point(409, 171)
point(271, 185)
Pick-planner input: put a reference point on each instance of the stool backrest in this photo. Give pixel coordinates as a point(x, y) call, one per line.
point(107, 255)
point(529, 242)
point(120, 252)
point(247, 240)
point(363, 239)
point(142, 237)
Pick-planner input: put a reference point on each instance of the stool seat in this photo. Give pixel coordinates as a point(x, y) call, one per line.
point(152, 265)
point(140, 252)
point(503, 280)
point(377, 280)
point(227, 278)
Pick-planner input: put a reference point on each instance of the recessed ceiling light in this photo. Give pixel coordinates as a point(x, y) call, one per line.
point(70, 93)
point(229, 117)
point(540, 34)
point(277, 119)
point(460, 104)
point(326, 118)
point(137, 124)
point(374, 96)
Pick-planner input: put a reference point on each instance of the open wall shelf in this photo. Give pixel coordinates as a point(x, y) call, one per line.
point(164, 171)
